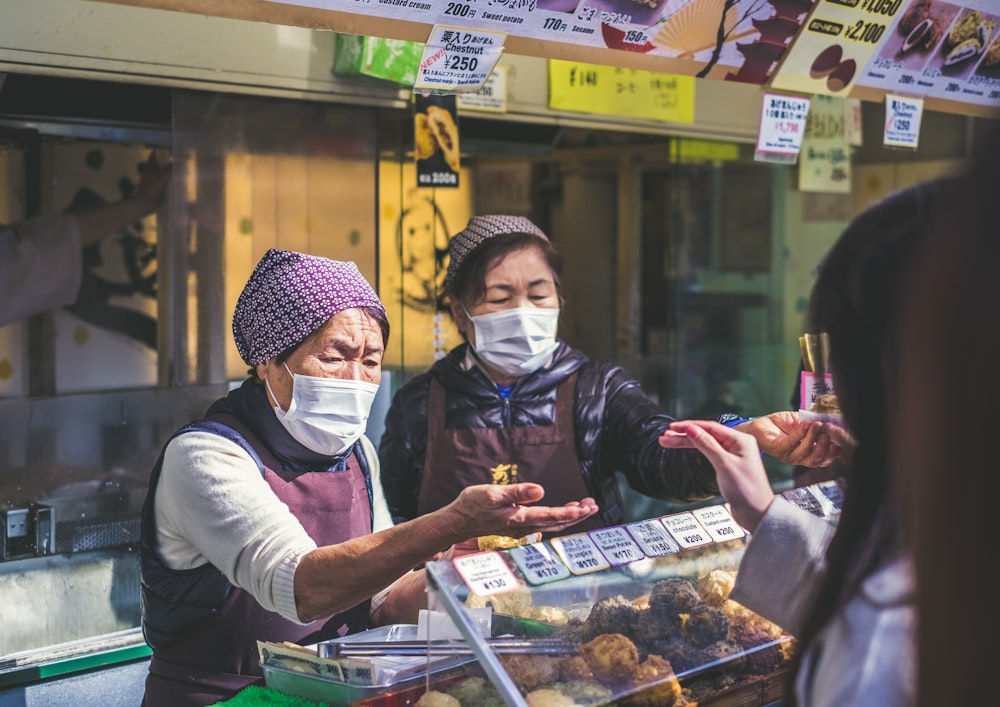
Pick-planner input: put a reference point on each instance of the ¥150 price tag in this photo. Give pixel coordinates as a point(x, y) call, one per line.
point(686, 530)
point(458, 58)
point(653, 538)
point(616, 545)
point(580, 553)
point(719, 523)
point(538, 563)
point(486, 574)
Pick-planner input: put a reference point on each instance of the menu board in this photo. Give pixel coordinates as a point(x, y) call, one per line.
point(739, 40)
point(938, 49)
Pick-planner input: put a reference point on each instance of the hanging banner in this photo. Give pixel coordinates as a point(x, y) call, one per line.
point(458, 59)
point(435, 138)
point(632, 93)
point(824, 162)
point(782, 125)
point(902, 121)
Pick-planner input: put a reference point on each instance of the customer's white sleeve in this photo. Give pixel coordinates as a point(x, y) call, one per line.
point(41, 266)
point(213, 506)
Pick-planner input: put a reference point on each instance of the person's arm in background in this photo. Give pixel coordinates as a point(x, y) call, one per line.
point(41, 259)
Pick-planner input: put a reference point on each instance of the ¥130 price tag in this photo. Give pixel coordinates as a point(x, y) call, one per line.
point(486, 574)
point(719, 523)
point(687, 531)
point(580, 553)
point(653, 538)
point(458, 59)
point(538, 563)
point(617, 545)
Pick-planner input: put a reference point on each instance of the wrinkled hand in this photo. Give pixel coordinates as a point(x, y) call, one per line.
point(491, 509)
point(735, 456)
point(806, 443)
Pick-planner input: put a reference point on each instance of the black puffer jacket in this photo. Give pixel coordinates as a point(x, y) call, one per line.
point(616, 429)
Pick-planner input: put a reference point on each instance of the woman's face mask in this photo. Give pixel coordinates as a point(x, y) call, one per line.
point(326, 415)
point(517, 341)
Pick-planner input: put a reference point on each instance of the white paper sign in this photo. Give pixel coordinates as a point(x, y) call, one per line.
point(616, 545)
point(580, 553)
point(902, 121)
point(719, 524)
point(491, 97)
point(782, 125)
point(486, 574)
point(458, 59)
point(653, 538)
point(686, 530)
point(538, 563)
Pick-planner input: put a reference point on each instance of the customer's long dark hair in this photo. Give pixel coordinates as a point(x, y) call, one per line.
point(855, 301)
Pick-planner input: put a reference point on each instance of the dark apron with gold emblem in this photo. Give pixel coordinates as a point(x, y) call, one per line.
point(542, 454)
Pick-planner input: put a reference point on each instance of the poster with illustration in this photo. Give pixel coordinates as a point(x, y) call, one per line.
point(435, 138)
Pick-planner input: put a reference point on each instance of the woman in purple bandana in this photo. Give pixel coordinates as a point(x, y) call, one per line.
point(266, 520)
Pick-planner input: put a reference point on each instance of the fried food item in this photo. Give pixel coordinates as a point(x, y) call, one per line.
point(706, 624)
point(547, 697)
point(476, 691)
point(433, 698)
point(965, 28)
point(714, 587)
point(826, 404)
point(612, 657)
point(742, 619)
point(574, 668)
point(513, 603)
point(530, 672)
point(656, 683)
point(446, 133)
point(555, 615)
point(500, 542)
point(424, 144)
point(612, 615)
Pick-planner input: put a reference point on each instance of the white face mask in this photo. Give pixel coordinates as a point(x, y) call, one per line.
point(516, 341)
point(326, 415)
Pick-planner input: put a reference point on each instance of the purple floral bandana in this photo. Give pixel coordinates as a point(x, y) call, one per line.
point(479, 230)
point(289, 296)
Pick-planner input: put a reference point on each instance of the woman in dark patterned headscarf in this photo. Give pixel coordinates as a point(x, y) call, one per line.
point(265, 520)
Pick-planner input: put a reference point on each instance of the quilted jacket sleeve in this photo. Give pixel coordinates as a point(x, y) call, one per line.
point(402, 448)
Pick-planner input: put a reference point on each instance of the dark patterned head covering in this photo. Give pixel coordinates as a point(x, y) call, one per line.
point(479, 230)
point(289, 296)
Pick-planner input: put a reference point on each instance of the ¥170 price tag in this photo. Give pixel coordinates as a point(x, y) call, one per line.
point(719, 523)
point(580, 553)
point(653, 538)
point(486, 574)
point(538, 563)
point(616, 545)
point(686, 530)
point(458, 58)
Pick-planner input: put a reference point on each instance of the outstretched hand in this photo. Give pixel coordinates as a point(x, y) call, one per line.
point(803, 442)
point(491, 509)
point(735, 457)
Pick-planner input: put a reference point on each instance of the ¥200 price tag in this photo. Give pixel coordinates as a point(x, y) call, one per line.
point(617, 545)
point(458, 59)
point(580, 553)
point(486, 574)
point(653, 538)
point(686, 530)
point(719, 523)
point(538, 563)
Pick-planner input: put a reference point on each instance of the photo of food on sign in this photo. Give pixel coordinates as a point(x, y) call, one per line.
point(918, 34)
point(435, 140)
point(963, 44)
point(558, 5)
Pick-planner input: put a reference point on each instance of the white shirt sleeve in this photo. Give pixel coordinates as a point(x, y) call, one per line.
point(41, 266)
point(213, 506)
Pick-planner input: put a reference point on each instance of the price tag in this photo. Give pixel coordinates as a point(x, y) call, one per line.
point(580, 553)
point(802, 497)
point(538, 563)
point(491, 97)
point(653, 538)
point(686, 530)
point(458, 58)
point(902, 121)
point(830, 495)
point(719, 524)
point(782, 125)
point(616, 545)
point(486, 574)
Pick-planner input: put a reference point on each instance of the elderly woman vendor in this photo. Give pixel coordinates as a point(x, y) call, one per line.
point(266, 520)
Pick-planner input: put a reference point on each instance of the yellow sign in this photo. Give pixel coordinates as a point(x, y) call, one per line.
point(609, 90)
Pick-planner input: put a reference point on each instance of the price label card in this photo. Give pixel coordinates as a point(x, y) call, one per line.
point(719, 524)
point(486, 574)
point(491, 97)
point(458, 58)
point(830, 495)
point(802, 497)
point(902, 121)
point(782, 125)
point(616, 545)
point(538, 563)
point(686, 530)
point(653, 538)
point(580, 553)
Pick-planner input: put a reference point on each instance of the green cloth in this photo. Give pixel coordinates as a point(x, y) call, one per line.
point(254, 696)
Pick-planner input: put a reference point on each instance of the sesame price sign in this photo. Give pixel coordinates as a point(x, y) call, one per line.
point(458, 59)
point(719, 524)
point(580, 553)
point(616, 545)
point(653, 538)
point(486, 574)
point(686, 530)
point(538, 564)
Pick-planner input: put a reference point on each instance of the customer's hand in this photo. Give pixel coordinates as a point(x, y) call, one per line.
point(492, 509)
point(735, 456)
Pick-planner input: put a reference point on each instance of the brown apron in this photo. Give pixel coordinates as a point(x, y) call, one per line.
point(220, 657)
point(464, 456)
